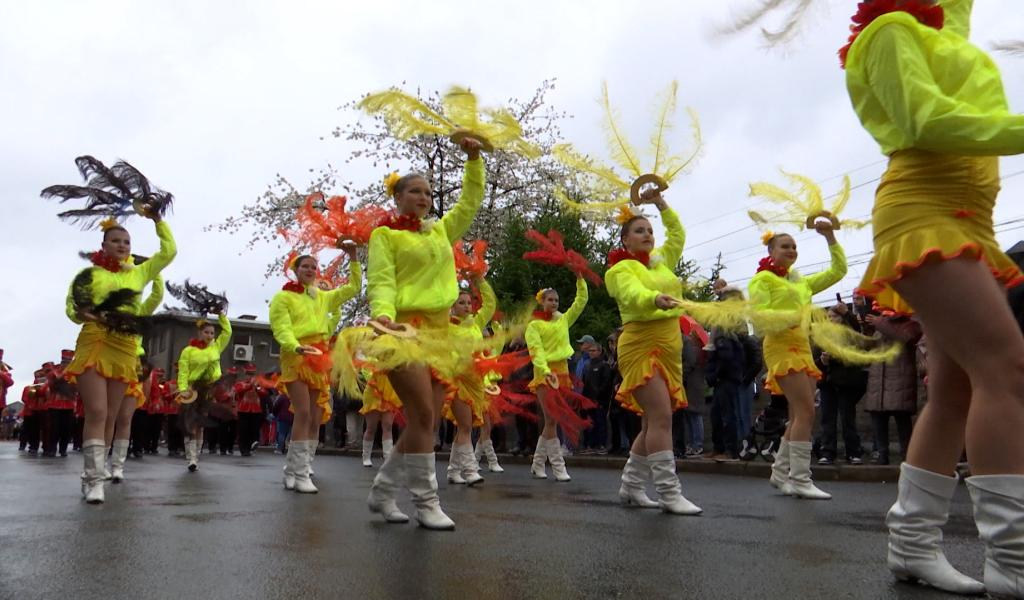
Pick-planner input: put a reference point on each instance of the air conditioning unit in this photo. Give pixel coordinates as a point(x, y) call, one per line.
point(243, 353)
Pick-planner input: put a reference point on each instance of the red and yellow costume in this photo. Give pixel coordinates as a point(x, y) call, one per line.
point(789, 351)
point(466, 336)
point(114, 355)
point(302, 316)
point(935, 104)
point(650, 340)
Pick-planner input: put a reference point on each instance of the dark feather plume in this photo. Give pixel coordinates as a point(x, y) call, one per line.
point(110, 311)
point(197, 298)
point(110, 192)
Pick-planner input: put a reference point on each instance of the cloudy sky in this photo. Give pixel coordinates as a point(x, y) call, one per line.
point(211, 99)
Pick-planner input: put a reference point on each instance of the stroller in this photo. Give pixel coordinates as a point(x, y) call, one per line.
point(765, 436)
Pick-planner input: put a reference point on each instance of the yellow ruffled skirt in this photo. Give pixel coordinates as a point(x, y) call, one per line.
point(646, 348)
point(380, 396)
point(469, 389)
point(305, 368)
point(933, 207)
point(112, 355)
point(561, 370)
point(786, 353)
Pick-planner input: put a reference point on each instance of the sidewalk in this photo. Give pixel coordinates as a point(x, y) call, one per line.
point(755, 468)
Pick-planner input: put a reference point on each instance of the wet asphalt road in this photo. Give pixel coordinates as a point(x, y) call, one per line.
point(231, 531)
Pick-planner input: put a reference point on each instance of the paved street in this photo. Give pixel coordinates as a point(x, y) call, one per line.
point(231, 531)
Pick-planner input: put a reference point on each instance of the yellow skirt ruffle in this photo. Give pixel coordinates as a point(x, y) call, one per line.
point(930, 208)
point(380, 396)
point(295, 368)
point(786, 353)
point(135, 391)
point(112, 355)
point(561, 370)
point(469, 389)
point(646, 348)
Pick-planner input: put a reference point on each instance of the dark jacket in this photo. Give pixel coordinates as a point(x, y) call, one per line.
point(728, 362)
point(894, 386)
point(695, 361)
point(838, 374)
point(599, 382)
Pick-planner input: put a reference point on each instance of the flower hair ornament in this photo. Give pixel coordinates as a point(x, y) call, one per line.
point(767, 237)
point(390, 182)
point(540, 294)
point(625, 214)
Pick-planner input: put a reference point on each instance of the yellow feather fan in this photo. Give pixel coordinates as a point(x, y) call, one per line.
point(605, 182)
point(407, 116)
point(802, 205)
point(838, 340)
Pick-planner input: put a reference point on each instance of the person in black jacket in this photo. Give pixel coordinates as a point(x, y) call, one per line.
point(725, 373)
point(842, 387)
point(598, 386)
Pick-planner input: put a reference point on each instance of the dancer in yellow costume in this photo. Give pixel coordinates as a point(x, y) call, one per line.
point(778, 288)
point(650, 353)
point(411, 280)
point(198, 371)
point(105, 361)
point(300, 318)
point(935, 104)
point(466, 405)
point(547, 338)
point(380, 405)
point(121, 432)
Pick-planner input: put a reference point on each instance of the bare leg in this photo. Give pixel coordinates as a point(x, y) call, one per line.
point(413, 386)
point(298, 393)
point(656, 432)
point(463, 421)
point(965, 314)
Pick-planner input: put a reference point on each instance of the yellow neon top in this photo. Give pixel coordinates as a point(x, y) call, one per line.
point(149, 306)
point(294, 316)
point(203, 364)
point(134, 277)
point(468, 335)
point(548, 341)
point(913, 86)
point(415, 271)
point(634, 286)
point(769, 292)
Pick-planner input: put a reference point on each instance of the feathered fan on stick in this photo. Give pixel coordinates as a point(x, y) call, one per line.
point(472, 264)
point(551, 251)
point(323, 223)
point(110, 192)
point(802, 206)
point(197, 298)
point(606, 182)
point(110, 312)
point(407, 116)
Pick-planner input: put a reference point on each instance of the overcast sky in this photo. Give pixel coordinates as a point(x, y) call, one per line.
point(211, 99)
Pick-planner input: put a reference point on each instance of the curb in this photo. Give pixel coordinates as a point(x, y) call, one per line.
point(755, 468)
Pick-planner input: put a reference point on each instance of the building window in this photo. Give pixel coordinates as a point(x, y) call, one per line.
point(243, 339)
point(275, 348)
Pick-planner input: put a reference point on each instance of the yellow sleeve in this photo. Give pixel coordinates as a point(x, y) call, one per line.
point(675, 238)
point(901, 79)
point(163, 257)
point(344, 293)
point(835, 273)
point(225, 333)
point(460, 217)
point(487, 307)
point(760, 292)
point(281, 323)
point(535, 345)
point(578, 303)
point(380, 276)
point(156, 296)
point(184, 368)
point(627, 290)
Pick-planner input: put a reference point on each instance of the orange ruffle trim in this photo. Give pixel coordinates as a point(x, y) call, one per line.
point(631, 381)
point(877, 281)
